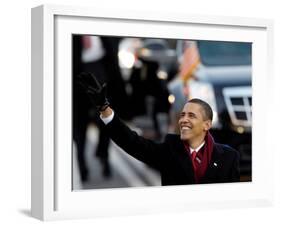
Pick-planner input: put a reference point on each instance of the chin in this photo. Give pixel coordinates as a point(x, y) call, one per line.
point(184, 137)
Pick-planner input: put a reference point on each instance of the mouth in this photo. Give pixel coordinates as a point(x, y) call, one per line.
point(185, 128)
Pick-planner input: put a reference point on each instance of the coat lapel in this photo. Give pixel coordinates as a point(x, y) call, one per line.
point(212, 172)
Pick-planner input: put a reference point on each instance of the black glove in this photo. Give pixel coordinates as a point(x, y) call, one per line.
point(95, 90)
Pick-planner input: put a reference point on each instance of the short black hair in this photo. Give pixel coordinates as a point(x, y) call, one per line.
point(208, 112)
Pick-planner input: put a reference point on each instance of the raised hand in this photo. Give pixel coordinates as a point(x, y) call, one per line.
point(95, 90)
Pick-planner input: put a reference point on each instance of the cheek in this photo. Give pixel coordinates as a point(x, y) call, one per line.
point(180, 120)
point(198, 126)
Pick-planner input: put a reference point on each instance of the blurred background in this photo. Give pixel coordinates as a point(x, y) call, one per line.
point(149, 80)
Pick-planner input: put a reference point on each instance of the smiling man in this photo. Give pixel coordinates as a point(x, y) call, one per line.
point(189, 158)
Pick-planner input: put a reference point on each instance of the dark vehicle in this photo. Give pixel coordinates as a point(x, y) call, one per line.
point(163, 52)
point(223, 78)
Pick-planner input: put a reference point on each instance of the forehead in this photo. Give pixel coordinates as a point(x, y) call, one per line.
point(192, 108)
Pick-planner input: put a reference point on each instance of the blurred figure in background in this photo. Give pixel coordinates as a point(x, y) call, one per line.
point(80, 108)
point(98, 56)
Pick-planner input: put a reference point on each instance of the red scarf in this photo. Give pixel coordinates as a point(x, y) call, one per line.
point(204, 156)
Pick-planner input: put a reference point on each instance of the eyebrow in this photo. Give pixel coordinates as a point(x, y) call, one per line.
point(192, 114)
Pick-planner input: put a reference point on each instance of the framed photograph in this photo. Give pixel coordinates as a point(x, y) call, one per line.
point(152, 65)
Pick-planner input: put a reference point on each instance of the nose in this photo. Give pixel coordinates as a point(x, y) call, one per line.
point(183, 119)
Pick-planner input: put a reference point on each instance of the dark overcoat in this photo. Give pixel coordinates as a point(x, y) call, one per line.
point(171, 158)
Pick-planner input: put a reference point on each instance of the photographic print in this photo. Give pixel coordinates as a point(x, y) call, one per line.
point(148, 82)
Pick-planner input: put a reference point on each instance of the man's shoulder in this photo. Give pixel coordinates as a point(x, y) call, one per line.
point(172, 139)
point(172, 136)
point(226, 149)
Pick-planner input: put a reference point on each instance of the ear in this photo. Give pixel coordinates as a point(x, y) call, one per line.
point(207, 125)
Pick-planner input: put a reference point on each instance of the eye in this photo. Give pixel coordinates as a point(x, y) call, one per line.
point(191, 115)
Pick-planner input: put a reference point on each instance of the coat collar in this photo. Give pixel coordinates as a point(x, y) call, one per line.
point(184, 159)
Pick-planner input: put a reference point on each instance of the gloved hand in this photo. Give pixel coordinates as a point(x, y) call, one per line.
point(95, 90)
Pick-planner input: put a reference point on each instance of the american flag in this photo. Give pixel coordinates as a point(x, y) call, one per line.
point(190, 60)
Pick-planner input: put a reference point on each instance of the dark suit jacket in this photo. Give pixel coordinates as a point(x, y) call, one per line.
point(171, 157)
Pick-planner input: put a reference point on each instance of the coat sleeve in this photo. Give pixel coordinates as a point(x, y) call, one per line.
point(140, 148)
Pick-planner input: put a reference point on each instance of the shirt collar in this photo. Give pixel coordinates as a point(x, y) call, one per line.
point(198, 148)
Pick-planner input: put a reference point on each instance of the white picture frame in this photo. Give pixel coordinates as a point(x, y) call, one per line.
point(52, 196)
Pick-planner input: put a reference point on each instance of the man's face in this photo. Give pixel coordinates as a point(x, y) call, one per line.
point(193, 126)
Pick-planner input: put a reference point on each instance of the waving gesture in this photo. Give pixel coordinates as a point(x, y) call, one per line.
point(95, 90)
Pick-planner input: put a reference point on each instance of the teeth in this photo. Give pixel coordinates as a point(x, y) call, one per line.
point(185, 128)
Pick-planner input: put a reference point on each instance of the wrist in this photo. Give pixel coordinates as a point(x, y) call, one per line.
point(106, 112)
